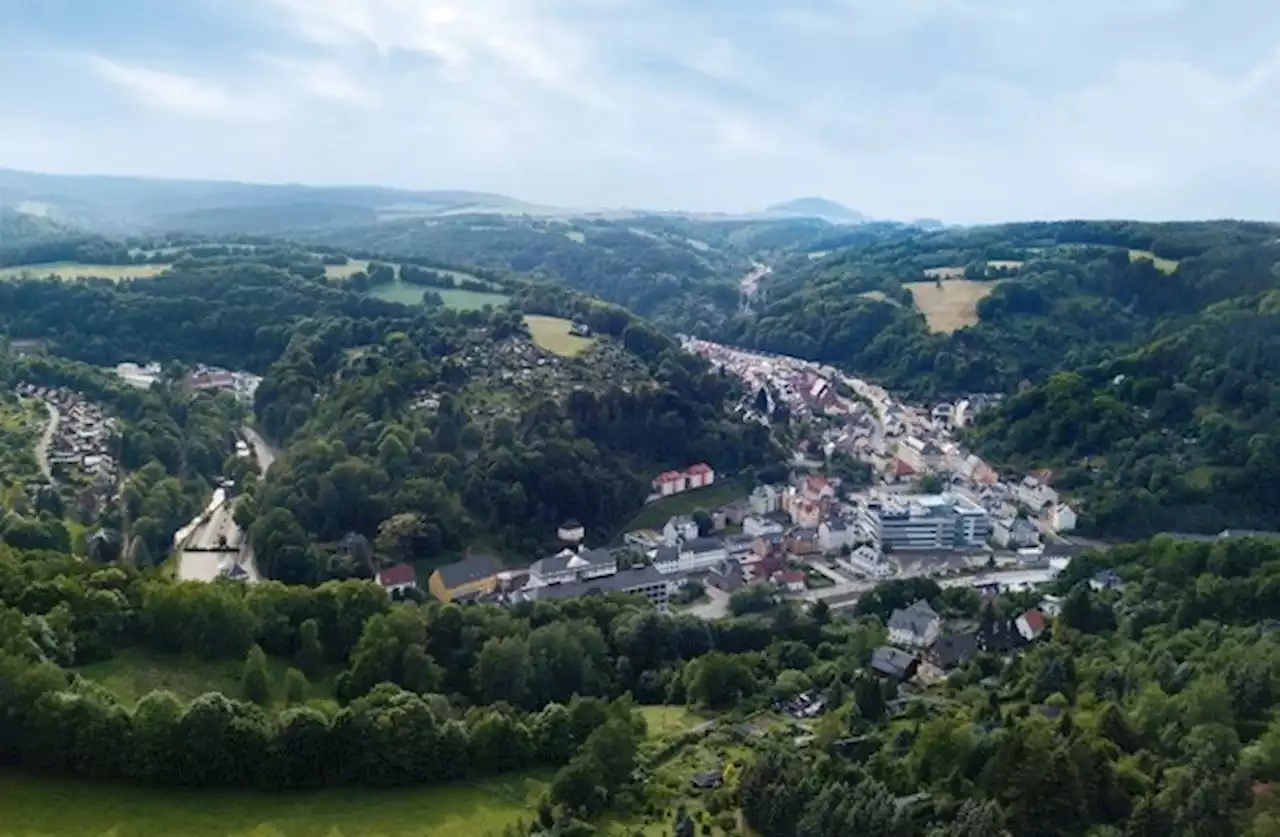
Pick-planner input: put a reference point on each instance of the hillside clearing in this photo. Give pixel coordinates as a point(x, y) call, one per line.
point(1005, 264)
point(407, 294)
point(72, 270)
point(345, 271)
point(552, 334)
point(654, 515)
point(1162, 265)
point(42, 807)
point(132, 674)
point(880, 296)
point(945, 272)
point(951, 305)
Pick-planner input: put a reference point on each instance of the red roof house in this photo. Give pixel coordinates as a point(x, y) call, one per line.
point(398, 577)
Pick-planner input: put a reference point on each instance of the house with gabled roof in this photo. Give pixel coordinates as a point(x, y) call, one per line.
point(914, 627)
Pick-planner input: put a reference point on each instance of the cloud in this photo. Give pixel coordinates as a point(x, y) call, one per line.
point(171, 92)
point(972, 110)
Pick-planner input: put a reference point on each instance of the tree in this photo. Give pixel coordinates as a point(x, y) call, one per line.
point(310, 656)
point(706, 526)
point(296, 687)
point(254, 683)
point(502, 671)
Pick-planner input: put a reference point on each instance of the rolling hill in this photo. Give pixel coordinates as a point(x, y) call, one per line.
point(827, 210)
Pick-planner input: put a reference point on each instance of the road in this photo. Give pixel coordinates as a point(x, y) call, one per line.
point(716, 606)
point(46, 439)
point(213, 541)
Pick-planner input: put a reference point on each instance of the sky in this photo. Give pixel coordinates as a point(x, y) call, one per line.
point(965, 110)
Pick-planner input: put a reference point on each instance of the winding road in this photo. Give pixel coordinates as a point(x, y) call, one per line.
point(46, 439)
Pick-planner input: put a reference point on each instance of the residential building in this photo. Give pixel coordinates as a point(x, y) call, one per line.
point(953, 650)
point(640, 581)
point(701, 554)
point(915, 627)
point(790, 580)
point(894, 663)
point(669, 482)
point(699, 476)
point(396, 578)
point(757, 526)
point(803, 542)
point(766, 545)
point(765, 499)
point(727, 576)
point(1034, 494)
point(571, 532)
point(678, 529)
point(473, 574)
point(921, 455)
point(835, 535)
point(666, 559)
point(1051, 606)
point(979, 472)
point(866, 561)
point(1030, 625)
point(568, 566)
point(1017, 533)
point(734, 513)
point(806, 512)
point(1062, 518)
point(935, 522)
point(1106, 580)
point(739, 546)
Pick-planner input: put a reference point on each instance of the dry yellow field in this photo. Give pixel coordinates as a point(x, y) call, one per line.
point(879, 296)
point(952, 305)
point(72, 270)
point(1005, 264)
point(945, 272)
point(1162, 265)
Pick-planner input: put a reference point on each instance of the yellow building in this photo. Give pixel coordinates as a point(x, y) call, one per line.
point(475, 575)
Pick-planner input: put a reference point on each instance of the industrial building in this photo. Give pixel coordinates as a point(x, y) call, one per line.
point(926, 522)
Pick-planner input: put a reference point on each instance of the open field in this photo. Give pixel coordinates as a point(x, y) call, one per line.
point(952, 306)
point(945, 272)
point(407, 294)
point(345, 271)
point(1005, 264)
point(654, 515)
point(670, 720)
point(71, 270)
point(40, 807)
point(133, 673)
point(552, 334)
point(1162, 265)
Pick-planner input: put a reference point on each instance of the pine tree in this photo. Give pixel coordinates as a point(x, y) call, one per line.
point(296, 687)
point(254, 679)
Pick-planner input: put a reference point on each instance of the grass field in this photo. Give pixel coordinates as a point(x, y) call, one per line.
point(345, 271)
point(952, 306)
point(133, 673)
point(552, 334)
point(670, 720)
point(407, 294)
point(654, 515)
point(71, 270)
point(39, 807)
point(1162, 265)
point(22, 421)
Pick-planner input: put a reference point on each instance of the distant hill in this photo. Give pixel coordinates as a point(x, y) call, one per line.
point(822, 208)
point(118, 205)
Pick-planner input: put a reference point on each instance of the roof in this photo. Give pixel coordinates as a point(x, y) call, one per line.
point(893, 662)
point(804, 534)
point(915, 619)
point(571, 524)
point(567, 559)
point(1034, 620)
point(397, 575)
point(680, 520)
point(619, 582)
point(700, 468)
point(707, 779)
point(469, 569)
point(666, 554)
point(835, 525)
point(668, 476)
point(954, 649)
point(703, 545)
point(790, 577)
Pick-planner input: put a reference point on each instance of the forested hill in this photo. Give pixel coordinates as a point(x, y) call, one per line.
point(682, 273)
point(424, 429)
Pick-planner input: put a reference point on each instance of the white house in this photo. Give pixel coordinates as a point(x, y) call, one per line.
point(699, 476)
point(679, 528)
point(701, 554)
point(571, 531)
point(1034, 494)
point(669, 482)
point(1062, 518)
point(765, 500)
point(834, 535)
point(915, 627)
point(756, 526)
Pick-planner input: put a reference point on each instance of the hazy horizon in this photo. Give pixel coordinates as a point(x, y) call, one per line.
point(967, 110)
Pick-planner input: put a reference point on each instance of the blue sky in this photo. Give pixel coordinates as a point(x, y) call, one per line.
point(968, 110)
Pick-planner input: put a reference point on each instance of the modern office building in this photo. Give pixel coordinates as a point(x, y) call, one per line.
point(926, 522)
